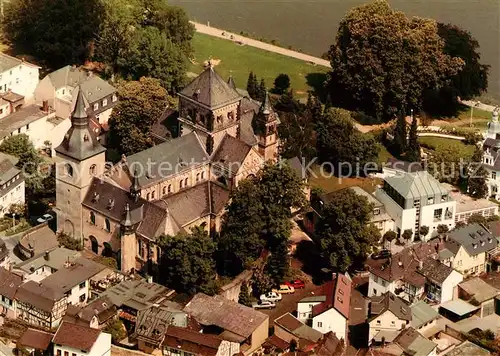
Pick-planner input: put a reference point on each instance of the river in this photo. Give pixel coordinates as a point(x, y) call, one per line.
point(311, 24)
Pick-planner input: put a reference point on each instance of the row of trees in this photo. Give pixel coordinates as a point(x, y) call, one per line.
point(384, 61)
point(133, 38)
point(257, 223)
point(256, 90)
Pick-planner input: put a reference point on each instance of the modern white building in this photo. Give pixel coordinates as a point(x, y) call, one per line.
point(79, 340)
point(417, 199)
point(12, 184)
point(18, 76)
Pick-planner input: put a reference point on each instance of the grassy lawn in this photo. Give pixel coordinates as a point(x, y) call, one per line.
point(331, 183)
point(480, 119)
point(438, 142)
point(238, 61)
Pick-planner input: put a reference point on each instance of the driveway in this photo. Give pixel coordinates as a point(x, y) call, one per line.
point(289, 302)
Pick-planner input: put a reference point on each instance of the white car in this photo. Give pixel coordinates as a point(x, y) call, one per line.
point(263, 304)
point(271, 297)
point(284, 289)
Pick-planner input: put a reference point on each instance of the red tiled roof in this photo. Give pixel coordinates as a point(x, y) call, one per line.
point(76, 336)
point(35, 339)
point(277, 342)
point(338, 296)
point(192, 341)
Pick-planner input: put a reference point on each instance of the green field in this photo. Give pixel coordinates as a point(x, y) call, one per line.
point(238, 61)
point(480, 119)
point(439, 142)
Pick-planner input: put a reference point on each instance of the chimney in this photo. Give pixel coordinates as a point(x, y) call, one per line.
point(46, 256)
point(45, 105)
point(420, 264)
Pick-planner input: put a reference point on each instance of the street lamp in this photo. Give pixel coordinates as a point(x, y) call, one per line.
point(472, 110)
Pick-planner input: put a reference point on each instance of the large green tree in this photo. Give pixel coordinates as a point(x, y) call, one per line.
point(413, 150)
point(382, 60)
point(141, 103)
point(344, 232)
point(342, 145)
point(56, 32)
point(400, 143)
point(187, 263)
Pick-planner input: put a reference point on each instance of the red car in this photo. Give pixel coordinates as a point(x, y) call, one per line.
point(297, 284)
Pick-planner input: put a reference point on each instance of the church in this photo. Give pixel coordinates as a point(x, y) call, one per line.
point(491, 156)
point(121, 210)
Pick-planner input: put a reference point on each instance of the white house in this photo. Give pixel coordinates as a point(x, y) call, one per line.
point(79, 340)
point(9, 282)
point(12, 184)
point(440, 280)
point(491, 155)
point(60, 89)
point(417, 199)
point(388, 316)
point(18, 76)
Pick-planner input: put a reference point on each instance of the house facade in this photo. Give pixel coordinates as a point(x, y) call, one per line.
point(18, 76)
point(12, 186)
point(9, 283)
point(388, 316)
point(417, 199)
point(89, 341)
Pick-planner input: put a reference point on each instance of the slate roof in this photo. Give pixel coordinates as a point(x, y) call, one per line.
point(8, 168)
point(152, 323)
point(210, 90)
point(94, 87)
point(413, 343)
point(479, 289)
point(195, 202)
point(191, 341)
point(146, 214)
point(215, 311)
point(168, 158)
point(137, 294)
point(475, 239)
point(35, 339)
point(76, 336)
point(388, 301)
point(422, 313)
point(297, 328)
point(54, 258)
point(39, 240)
point(416, 185)
point(230, 154)
point(37, 295)
point(338, 296)
point(248, 108)
point(8, 62)
point(435, 271)
point(21, 118)
point(9, 283)
point(80, 142)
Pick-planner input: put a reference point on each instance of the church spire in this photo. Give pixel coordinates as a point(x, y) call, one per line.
point(127, 221)
point(266, 107)
point(135, 188)
point(231, 82)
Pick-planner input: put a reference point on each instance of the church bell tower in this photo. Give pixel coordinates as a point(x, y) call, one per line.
point(265, 124)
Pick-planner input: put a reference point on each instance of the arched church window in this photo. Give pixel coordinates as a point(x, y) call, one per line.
point(202, 175)
point(93, 169)
point(230, 116)
point(164, 190)
point(185, 182)
point(69, 170)
point(219, 119)
point(147, 196)
point(180, 184)
point(170, 188)
point(108, 225)
point(92, 218)
point(197, 177)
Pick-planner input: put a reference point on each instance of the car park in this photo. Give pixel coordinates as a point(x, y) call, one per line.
point(296, 284)
point(284, 289)
point(271, 297)
point(44, 218)
point(264, 304)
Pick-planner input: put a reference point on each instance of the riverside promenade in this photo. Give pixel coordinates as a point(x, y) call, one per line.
point(217, 32)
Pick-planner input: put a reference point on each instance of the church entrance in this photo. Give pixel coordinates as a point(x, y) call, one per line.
point(94, 245)
point(108, 251)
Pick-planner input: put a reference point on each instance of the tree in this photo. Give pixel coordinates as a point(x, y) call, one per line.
point(344, 233)
point(477, 176)
point(442, 229)
point(141, 104)
point(117, 330)
point(281, 84)
point(448, 164)
point(262, 90)
point(476, 219)
point(152, 54)
point(460, 224)
point(261, 283)
point(390, 236)
point(400, 142)
point(297, 134)
point(252, 86)
point(65, 240)
point(288, 104)
point(407, 235)
point(413, 151)
point(472, 80)
point(423, 231)
point(383, 60)
point(57, 32)
point(187, 261)
point(244, 296)
point(342, 145)
point(278, 263)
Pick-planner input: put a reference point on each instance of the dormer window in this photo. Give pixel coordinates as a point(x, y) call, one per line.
point(474, 245)
point(376, 211)
point(95, 198)
point(114, 98)
point(85, 137)
point(96, 106)
point(111, 204)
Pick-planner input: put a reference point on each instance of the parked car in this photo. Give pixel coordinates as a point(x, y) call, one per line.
point(271, 297)
point(381, 254)
point(44, 218)
point(297, 284)
point(264, 304)
point(284, 289)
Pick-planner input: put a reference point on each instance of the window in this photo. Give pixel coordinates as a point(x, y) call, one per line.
point(147, 196)
point(198, 177)
point(73, 354)
point(444, 197)
point(170, 188)
point(493, 175)
point(66, 353)
point(63, 91)
point(69, 170)
point(375, 279)
point(58, 352)
point(379, 322)
point(393, 323)
point(104, 102)
point(82, 298)
point(164, 190)
point(1, 111)
point(153, 194)
point(19, 130)
point(17, 80)
point(115, 98)
point(185, 182)
point(437, 214)
point(320, 324)
point(82, 285)
point(374, 291)
point(108, 225)
point(96, 106)
point(141, 248)
point(92, 218)
point(376, 211)
point(93, 169)
point(202, 175)
point(383, 283)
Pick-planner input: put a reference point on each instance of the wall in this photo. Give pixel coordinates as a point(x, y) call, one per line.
point(403, 218)
point(427, 216)
point(98, 230)
point(259, 336)
point(331, 320)
point(486, 212)
point(76, 292)
point(304, 310)
point(388, 321)
point(228, 348)
point(21, 79)
point(449, 285)
point(380, 285)
point(102, 347)
point(8, 307)
point(231, 291)
point(250, 165)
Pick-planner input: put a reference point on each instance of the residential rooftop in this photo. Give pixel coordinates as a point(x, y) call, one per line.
point(466, 203)
point(22, 118)
point(416, 185)
point(54, 258)
point(422, 313)
point(413, 343)
point(474, 238)
point(76, 336)
point(459, 307)
point(35, 339)
point(388, 301)
point(479, 289)
point(8, 62)
point(468, 348)
point(298, 328)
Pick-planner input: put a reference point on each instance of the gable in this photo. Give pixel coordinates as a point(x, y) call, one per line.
point(251, 164)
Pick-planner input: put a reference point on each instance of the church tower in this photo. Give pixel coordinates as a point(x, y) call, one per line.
point(80, 157)
point(265, 124)
point(128, 242)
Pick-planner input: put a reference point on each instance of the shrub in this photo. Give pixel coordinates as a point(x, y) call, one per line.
point(69, 242)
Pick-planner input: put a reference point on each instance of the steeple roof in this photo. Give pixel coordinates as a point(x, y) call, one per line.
point(210, 90)
point(231, 82)
point(80, 141)
point(266, 107)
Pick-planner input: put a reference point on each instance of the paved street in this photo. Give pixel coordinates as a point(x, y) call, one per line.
point(10, 243)
point(216, 32)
